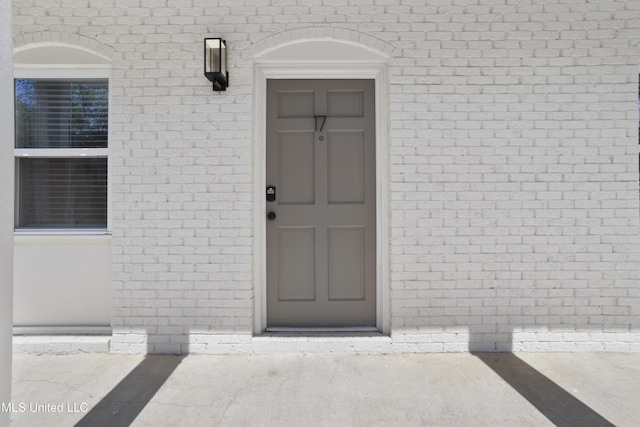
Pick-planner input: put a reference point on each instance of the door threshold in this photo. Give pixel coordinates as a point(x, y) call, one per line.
point(321, 329)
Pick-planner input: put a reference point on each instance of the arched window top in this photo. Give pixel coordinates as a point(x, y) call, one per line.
point(57, 55)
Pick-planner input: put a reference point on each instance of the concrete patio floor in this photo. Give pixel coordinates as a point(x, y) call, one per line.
point(455, 389)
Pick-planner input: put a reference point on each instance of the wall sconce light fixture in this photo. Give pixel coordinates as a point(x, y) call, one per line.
point(215, 63)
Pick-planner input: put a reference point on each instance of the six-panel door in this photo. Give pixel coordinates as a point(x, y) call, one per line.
point(321, 255)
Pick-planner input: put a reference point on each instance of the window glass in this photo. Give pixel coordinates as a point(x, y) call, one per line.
point(62, 192)
point(61, 113)
point(61, 189)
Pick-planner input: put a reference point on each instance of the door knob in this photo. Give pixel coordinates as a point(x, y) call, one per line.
point(271, 216)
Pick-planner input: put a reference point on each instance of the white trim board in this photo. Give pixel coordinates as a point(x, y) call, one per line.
point(62, 330)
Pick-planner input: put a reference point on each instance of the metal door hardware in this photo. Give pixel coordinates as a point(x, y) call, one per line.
point(271, 193)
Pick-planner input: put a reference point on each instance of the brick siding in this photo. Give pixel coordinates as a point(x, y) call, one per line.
point(513, 187)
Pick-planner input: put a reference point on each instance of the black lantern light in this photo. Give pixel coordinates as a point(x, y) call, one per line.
point(215, 63)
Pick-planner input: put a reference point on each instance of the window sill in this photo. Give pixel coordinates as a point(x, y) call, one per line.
point(61, 236)
point(62, 231)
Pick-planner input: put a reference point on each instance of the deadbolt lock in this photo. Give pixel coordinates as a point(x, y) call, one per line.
point(271, 193)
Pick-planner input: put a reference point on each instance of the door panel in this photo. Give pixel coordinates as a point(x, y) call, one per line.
point(293, 104)
point(347, 263)
point(296, 253)
point(321, 255)
point(296, 153)
point(345, 103)
point(345, 167)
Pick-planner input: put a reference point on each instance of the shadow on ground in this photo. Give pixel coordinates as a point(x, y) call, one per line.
point(555, 403)
point(127, 399)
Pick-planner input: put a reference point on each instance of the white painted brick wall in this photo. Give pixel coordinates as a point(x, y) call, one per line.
point(513, 167)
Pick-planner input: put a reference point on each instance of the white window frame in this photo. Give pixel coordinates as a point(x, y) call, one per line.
point(71, 73)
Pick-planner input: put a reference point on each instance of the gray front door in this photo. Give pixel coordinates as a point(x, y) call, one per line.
point(321, 253)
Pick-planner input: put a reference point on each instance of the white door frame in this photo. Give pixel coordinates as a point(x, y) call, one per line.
point(377, 71)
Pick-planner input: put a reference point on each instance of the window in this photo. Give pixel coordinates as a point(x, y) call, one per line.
point(61, 153)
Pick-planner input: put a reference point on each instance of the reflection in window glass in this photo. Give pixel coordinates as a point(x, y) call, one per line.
point(61, 113)
point(62, 193)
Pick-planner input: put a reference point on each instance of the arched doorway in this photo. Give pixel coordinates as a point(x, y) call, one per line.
point(317, 59)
